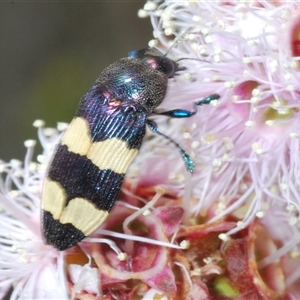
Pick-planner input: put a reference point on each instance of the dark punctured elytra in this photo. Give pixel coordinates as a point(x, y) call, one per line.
point(89, 165)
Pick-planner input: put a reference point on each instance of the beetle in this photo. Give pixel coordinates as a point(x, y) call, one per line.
point(87, 170)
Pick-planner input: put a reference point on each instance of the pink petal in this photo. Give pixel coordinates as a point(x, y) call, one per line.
point(163, 281)
point(170, 216)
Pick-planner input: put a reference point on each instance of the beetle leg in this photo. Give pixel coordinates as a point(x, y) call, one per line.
point(187, 160)
point(182, 113)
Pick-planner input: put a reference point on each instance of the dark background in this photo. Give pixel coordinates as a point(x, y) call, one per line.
point(51, 53)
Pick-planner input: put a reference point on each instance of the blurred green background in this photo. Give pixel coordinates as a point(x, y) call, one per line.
point(50, 55)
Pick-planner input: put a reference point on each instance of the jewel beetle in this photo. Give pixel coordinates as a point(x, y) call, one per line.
point(87, 170)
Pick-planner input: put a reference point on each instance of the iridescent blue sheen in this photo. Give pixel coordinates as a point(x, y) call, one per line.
point(116, 106)
point(123, 96)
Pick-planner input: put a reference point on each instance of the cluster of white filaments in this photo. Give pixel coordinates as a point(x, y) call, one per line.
point(246, 146)
point(33, 270)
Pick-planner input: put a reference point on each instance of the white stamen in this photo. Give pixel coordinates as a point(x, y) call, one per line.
point(284, 186)
point(229, 84)
point(290, 208)
point(260, 214)
point(142, 13)
point(15, 163)
point(224, 237)
point(249, 123)
point(246, 73)
point(294, 135)
point(185, 244)
point(38, 123)
point(153, 43)
point(122, 256)
point(150, 5)
point(290, 88)
point(257, 148)
point(195, 144)
point(29, 143)
point(187, 135)
point(62, 126)
point(288, 77)
point(269, 123)
point(147, 212)
point(217, 162)
point(247, 60)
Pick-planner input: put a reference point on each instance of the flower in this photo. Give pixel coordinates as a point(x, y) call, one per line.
point(246, 148)
point(26, 264)
point(230, 230)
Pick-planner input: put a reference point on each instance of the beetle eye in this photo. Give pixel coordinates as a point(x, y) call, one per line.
point(166, 66)
point(156, 61)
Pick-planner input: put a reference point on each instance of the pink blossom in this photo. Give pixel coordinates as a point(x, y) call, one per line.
point(230, 230)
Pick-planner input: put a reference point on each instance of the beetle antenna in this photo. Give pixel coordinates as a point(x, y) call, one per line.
point(188, 58)
point(175, 43)
point(177, 39)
